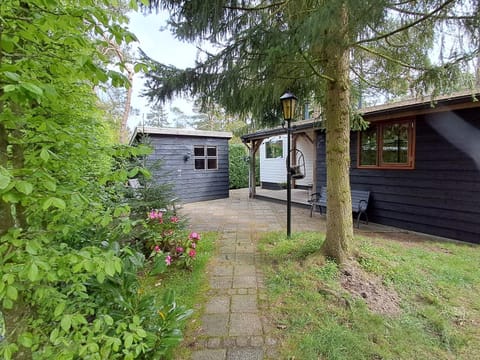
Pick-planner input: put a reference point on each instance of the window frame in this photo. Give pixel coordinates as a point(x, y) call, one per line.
point(205, 157)
point(279, 143)
point(380, 164)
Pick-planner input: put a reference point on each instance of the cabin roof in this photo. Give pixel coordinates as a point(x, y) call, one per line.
point(411, 107)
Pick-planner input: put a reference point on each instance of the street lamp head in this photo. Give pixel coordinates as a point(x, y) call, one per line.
point(289, 101)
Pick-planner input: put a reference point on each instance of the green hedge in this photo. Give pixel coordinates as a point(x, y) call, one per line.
point(239, 163)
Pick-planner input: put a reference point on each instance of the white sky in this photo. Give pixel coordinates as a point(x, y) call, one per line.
point(163, 47)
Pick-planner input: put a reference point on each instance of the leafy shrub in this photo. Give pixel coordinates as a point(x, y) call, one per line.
point(168, 243)
point(239, 165)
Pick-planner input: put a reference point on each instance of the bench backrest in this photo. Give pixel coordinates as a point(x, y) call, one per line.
point(359, 199)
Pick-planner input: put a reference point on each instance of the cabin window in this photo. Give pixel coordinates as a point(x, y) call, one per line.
point(205, 157)
point(388, 145)
point(274, 149)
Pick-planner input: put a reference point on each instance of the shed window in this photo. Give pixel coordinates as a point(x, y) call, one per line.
point(205, 157)
point(388, 145)
point(274, 149)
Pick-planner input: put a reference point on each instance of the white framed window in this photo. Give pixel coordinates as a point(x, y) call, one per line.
point(274, 149)
point(205, 157)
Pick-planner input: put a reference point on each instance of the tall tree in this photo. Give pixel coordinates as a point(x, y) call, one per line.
point(316, 48)
point(157, 116)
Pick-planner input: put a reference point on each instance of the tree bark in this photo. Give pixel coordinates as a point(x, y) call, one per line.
point(337, 112)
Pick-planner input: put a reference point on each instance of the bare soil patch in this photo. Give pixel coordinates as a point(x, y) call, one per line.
point(379, 298)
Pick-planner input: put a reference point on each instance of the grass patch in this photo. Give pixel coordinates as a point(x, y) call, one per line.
point(318, 319)
point(189, 285)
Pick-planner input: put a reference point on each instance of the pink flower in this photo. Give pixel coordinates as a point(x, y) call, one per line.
point(155, 215)
point(194, 246)
point(168, 260)
point(157, 248)
point(194, 236)
point(174, 219)
point(179, 249)
point(192, 253)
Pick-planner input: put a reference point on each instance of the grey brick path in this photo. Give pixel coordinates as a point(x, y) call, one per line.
point(232, 325)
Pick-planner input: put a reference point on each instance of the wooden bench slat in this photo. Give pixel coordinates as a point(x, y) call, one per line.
point(360, 200)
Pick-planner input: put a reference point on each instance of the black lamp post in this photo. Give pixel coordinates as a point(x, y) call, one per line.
point(288, 107)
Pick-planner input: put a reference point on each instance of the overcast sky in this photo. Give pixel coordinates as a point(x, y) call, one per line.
point(163, 47)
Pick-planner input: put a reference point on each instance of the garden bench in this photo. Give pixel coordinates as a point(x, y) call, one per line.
point(359, 202)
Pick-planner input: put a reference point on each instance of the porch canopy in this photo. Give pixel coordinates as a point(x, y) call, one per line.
point(254, 140)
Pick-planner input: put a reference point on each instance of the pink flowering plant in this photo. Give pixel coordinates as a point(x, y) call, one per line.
point(168, 242)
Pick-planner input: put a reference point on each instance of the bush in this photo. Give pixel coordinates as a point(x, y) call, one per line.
point(239, 164)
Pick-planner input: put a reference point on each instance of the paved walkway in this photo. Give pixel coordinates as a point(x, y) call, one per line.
point(232, 326)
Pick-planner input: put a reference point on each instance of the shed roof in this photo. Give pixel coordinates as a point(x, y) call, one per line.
point(179, 132)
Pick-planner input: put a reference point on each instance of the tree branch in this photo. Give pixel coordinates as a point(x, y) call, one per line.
point(407, 26)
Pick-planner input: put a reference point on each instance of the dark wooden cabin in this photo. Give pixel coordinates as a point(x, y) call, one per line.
point(421, 163)
point(195, 162)
point(419, 159)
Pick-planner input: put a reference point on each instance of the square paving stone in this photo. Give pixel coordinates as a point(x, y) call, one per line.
point(221, 282)
point(214, 324)
point(244, 282)
point(222, 270)
point(248, 324)
point(244, 303)
point(245, 270)
point(219, 354)
point(245, 354)
point(218, 305)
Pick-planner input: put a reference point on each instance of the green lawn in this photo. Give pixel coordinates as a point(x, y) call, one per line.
point(436, 287)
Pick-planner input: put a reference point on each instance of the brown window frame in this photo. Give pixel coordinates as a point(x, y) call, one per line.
point(380, 164)
point(206, 158)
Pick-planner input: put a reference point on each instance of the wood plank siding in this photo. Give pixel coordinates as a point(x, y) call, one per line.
point(440, 196)
point(190, 184)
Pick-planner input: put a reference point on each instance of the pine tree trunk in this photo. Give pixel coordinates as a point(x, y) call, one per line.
point(337, 108)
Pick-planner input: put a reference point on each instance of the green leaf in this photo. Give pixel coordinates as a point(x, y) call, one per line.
point(33, 274)
point(50, 185)
point(12, 292)
point(44, 154)
point(128, 340)
point(110, 268)
point(32, 88)
point(12, 76)
point(53, 201)
point(7, 303)
point(10, 88)
point(11, 197)
point(9, 350)
point(59, 203)
point(142, 333)
point(4, 181)
point(66, 322)
point(101, 277)
point(24, 187)
point(26, 339)
point(59, 309)
point(54, 335)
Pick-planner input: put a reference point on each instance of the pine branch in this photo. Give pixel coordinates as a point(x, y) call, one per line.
point(315, 71)
point(407, 26)
point(389, 58)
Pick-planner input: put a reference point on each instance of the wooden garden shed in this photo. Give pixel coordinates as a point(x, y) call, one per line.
point(195, 162)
